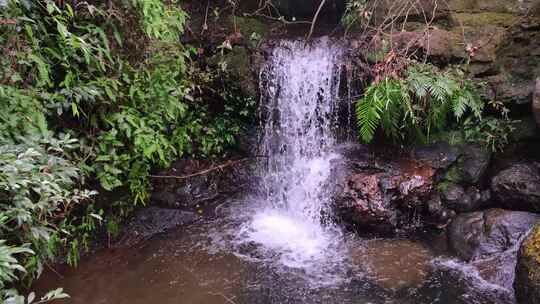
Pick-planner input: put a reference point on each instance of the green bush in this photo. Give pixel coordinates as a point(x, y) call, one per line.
point(423, 101)
point(39, 186)
point(95, 92)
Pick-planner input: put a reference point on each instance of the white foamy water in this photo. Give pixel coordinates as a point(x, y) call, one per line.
point(300, 89)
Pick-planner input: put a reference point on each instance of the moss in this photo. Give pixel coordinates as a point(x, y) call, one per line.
point(239, 65)
point(247, 26)
point(482, 19)
point(455, 173)
point(532, 252)
point(442, 187)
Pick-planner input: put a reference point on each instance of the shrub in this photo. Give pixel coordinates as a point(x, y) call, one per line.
point(98, 92)
point(423, 101)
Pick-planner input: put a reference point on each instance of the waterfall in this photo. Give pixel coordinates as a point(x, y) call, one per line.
point(300, 89)
point(300, 96)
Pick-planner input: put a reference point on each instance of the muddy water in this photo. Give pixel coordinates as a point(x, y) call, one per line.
point(203, 263)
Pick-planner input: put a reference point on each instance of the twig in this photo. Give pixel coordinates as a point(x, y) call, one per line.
point(314, 21)
point(220, 167)
point(205, 25)
point(54, 270)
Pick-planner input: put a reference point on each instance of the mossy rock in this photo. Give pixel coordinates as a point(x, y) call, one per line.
point(471, 166)
point(238, 64)
point(250, 26)
point(487, 18)
point(527, 282)
point(496, 6)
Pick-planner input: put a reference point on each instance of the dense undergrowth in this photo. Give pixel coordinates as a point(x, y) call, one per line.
point(94, 93)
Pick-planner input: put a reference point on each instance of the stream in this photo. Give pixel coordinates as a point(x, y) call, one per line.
point(279, 244)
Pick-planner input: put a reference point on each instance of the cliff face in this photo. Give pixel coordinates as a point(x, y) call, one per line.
point(499, 38)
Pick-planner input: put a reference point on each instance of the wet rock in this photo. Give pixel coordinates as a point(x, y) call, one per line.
point(457, 198)
point(151, 221)
point(536, 102)
point(498, 269)
point(518, 187)
point(527, 281)
point(188, 194)
point(455, 283)
point(503, 87)
point(439, 155)
point(439, 214)
point(372, 195)
point(482, 234)
point(394, 264)
point(201, 188)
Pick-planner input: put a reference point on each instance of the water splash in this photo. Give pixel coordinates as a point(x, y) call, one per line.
point(300, 88)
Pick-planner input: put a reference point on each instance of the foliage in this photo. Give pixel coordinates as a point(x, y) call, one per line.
point(38, 184)
point(424, 100)
point(118, 80)
point(356, 11)
point(491, 132)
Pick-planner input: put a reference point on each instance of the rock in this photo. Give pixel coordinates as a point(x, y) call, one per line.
point(471, 166)
point(151, 221)
point(536, 102)
point(187, 194)
point(518, 187)
point(191, 193)
point(460, 199)
point(455, 198)
point(238, 63)
point(527, 281)
point(440, 215)
point(482, 234)
point(420, 10)
point(455, 283)
point(496, 6)
point(393, 264)
point(505, 88)
point(439, 155)
point(371, 196)
point(498, 269)
point(525, 130)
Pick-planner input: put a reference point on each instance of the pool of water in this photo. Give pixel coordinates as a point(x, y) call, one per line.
point(241, 256)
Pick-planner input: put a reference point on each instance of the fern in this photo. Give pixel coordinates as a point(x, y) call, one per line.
point(425, 101)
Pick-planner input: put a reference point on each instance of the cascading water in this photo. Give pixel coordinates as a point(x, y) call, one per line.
point(300, 87)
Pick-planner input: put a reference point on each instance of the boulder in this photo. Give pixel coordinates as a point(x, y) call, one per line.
point(527, 281)
point(457, 198)
point(439, 155)
point(200, 187)
point(518, 187)
point(456, 283)
point(471, 165)
point(373, 196)
point(483, 234)
point(151, 221)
